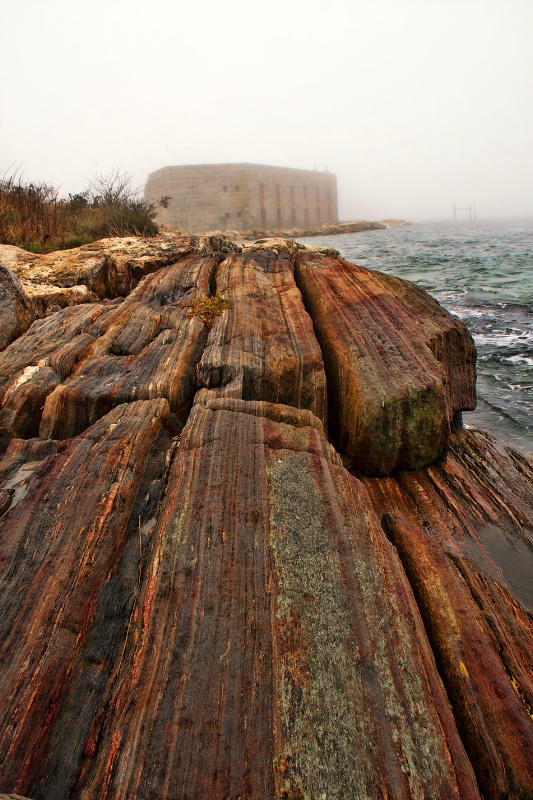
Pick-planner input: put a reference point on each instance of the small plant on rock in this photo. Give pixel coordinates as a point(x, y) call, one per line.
point(207, 308)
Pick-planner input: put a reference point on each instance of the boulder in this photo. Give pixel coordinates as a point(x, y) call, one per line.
point(399, 368)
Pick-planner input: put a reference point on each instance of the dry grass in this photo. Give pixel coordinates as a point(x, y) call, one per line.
point(33, 216)
point(207, 308)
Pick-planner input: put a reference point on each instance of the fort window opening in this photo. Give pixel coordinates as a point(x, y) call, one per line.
point(225, 188)
point(263, 215)
point(262, 192)
point(237, 188)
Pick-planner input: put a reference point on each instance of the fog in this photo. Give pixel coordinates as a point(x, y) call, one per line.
point(414, 104)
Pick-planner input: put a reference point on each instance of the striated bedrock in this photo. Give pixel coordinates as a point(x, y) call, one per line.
point(104, 269)
point(241, 622)
point(303, 329)
point(198, 601)
point(399, 367)
point(264, 347)
point(464, 532)
point(18, 311)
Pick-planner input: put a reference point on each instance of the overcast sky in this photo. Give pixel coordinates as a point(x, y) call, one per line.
point(414, 104)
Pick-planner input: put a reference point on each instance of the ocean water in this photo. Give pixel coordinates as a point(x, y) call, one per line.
point(483, 273)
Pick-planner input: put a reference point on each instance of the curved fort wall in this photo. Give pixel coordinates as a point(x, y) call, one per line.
point(241, 196)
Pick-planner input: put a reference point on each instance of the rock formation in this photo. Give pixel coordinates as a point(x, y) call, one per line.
point(332, 229)
point(253, 554)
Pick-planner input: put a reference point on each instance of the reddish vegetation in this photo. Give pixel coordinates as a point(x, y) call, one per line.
point(198, 599)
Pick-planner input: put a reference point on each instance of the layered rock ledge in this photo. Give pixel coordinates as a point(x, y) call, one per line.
point(257, 556)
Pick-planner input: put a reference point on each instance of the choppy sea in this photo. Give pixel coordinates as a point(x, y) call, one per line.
point(483, 273)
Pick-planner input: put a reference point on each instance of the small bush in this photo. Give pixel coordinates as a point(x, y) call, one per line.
point(33, 217)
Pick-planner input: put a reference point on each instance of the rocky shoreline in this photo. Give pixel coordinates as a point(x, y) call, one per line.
point(252, 552)
point(357, 226)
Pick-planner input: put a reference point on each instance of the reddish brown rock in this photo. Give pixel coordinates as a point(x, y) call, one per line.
point(267, 591)
point(48, 336)
point(464, 532)
point(147, 347)
point(52, 345)
point(105, 354)
point(389, 353)
point(446, 337)
point(72, 511)
point(22, 400)
point(222, 615)
point(263, 347)
point(104, 269)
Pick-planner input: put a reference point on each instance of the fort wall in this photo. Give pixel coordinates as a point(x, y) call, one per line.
point(242, 196)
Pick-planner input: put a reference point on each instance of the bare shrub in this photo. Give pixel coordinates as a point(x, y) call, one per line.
point(33, 217)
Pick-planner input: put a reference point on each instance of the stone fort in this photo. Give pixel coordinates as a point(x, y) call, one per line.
point(238, 197)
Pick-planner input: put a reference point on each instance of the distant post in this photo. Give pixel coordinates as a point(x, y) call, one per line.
point(466, 208)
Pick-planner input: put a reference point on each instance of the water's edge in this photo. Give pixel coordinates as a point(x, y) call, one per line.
point(483, 273)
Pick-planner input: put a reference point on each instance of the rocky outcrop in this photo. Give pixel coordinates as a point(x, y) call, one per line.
point(399, 367)
point(200, 600)
point(332, 229)
point(104, 355)
point(146, 347)
point(463, 530)
point(221, 595)
point(264, 348)
point(105, 269)
point(17, 309)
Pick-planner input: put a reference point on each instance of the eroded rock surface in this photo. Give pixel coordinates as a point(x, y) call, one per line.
point(264, 347)
point(199, 601)
point(18, 311)
point(464, 532)
point(146, 347)
point(399, 367)
point(268, 597)
point(104, 269)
